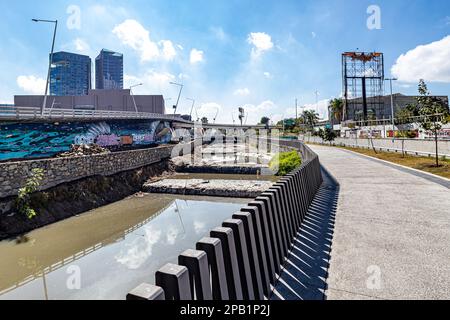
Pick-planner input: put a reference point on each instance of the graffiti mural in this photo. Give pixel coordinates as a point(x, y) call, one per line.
point(39, 140)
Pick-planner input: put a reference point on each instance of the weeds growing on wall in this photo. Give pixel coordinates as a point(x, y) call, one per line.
point(285, 162)
point(23, 198)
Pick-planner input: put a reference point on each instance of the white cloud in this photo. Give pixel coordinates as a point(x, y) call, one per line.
point(254, 113)
point(133, 34)
point(196, 56)
point(172, 235)
point(134, 254)
point(430, 62)
point(81, 46)
point(153, 81)
point(168, 50)
point(219, 33)
point(261, 42)
point(267, 75)
point(199, 227)
point(31, 84)
point(242, 92)
point(321, 108)
point(209, 110)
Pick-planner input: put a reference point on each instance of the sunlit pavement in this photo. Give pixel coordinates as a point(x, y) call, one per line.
point(392, 231)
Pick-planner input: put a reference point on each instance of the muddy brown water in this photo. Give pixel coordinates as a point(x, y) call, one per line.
point(106, 252)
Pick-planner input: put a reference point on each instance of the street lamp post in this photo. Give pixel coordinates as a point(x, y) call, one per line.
point(175, 107)
point(192, 108)
point(392, 106)
point(132, 95)
point(317, 101)
point(51, 60)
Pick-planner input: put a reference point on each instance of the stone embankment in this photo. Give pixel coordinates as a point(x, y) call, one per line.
point(215, 188)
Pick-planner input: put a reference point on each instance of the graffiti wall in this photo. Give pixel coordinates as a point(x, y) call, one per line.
point(39, 140)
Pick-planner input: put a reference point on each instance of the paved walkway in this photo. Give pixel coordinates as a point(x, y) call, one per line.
point(392, 231)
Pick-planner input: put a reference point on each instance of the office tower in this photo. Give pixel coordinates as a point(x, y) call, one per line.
point(109, 70)
point(70, 74)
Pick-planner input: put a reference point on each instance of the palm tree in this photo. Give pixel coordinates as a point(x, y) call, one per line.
point(310, 118)
point(336, 108)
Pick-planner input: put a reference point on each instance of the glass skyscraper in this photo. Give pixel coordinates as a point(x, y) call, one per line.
point(70, 74)
point(109, 70)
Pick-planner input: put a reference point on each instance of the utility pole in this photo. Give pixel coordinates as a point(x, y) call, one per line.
point(392, 106)
point(296, 110)
point(50, 61)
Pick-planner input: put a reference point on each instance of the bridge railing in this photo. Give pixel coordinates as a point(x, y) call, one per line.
point(30, 113)
point(240, 259)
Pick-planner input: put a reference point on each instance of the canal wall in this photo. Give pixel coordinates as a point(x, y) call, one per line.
point(75, 185)
point(13, 175)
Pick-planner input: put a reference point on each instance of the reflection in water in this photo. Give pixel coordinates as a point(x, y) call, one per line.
point(115, 247)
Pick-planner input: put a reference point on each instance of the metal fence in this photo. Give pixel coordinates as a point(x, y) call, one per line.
point(415, 147)
point(240, 260)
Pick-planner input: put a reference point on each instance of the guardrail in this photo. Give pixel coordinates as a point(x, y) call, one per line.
point(240, 259)
point(29, 113)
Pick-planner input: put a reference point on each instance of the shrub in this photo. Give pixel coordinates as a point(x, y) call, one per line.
point(285, 162)
point(23, 197)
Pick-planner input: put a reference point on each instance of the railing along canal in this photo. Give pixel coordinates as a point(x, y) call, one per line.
point(240, 259)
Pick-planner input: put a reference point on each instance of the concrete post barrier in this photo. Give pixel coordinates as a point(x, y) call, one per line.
point(274, 232)
point(213, 249)
point(255, 270)
point(146, 291)
point(226, 237)
point(197, 264)
point(290, 183)
point(277, 209)
point(287, 184)
point(285, 206)
point(174, 280)
point(242, 256)
point(267, 241)
point(261, 251)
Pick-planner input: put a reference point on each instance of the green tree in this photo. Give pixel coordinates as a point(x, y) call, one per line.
point(336, 107)
point(265, 120)
point(23, 197)
point(433, 114)
point(310, 118)
point(407, 114)
point(328, 135)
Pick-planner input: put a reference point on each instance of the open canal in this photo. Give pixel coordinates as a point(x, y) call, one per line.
point(105, 253)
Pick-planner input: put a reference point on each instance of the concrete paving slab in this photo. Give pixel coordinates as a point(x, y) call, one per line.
point(392, 231)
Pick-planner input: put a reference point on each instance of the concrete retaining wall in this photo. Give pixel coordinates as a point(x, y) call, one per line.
point(13, 175)
point(410, 146)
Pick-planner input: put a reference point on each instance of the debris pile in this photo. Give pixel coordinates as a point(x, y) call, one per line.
point(83, 150)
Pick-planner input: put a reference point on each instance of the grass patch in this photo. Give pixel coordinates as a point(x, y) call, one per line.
point(285, 162)
point(420, 163)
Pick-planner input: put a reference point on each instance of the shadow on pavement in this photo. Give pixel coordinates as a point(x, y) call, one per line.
point(306, 270)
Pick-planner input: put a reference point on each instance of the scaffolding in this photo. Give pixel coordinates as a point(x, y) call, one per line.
point(363, 86)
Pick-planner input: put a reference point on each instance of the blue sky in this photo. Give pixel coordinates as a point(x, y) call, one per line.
point(230, 53)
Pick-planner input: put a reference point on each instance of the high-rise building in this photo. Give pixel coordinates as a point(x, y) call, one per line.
point(70, 74)
point(109, 70)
